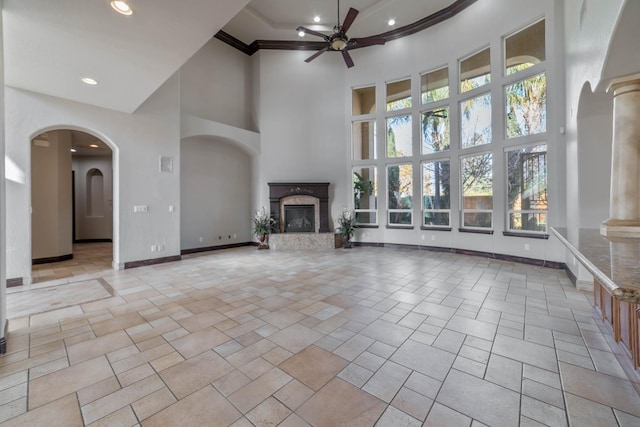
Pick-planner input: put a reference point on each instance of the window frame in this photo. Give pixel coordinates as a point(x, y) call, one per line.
point(509, 211)
point(396, 210)
point(375, 189)
point(463, 211)
point(424, 210)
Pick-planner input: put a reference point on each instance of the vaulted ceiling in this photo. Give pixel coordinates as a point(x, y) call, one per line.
point(50, 45)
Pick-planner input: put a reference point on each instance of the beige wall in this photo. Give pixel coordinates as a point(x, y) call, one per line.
point(51, 197)
point(98, 224)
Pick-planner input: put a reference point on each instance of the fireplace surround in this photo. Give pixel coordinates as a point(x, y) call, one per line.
point(317, 190)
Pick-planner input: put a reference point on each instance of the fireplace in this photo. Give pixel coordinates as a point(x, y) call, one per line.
point(312, 195)
point(299, 219)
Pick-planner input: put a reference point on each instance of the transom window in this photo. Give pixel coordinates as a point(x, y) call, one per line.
point(525, 48)
point(434, 85)
point(399, 95)
point(475, 70)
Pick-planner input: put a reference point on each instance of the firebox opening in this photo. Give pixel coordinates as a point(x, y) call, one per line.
point(299, 219)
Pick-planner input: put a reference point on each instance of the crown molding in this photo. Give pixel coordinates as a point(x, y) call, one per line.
point(407, 30)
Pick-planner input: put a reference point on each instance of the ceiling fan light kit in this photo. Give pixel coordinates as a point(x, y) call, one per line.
point(339, 41)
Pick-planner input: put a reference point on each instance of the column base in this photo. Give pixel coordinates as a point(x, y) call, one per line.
point(620, 228)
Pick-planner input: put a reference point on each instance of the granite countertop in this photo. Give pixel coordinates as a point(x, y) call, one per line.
point(613, 261)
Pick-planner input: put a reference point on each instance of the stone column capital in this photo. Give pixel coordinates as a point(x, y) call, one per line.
point(624, 84)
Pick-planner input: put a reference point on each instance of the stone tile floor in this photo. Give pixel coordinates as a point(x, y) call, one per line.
point(368, 336)
point(87, 258)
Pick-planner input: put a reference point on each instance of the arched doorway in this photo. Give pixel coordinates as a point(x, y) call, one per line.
point(72, 205)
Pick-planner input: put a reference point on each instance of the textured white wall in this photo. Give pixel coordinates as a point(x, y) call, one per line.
point(216, 85)
point(137, 140)
point(302, 124)
point(215, 193)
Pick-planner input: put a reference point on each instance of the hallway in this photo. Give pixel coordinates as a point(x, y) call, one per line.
point(87, 258)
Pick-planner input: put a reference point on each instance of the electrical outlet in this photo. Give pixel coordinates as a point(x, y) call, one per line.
point(422, 237)
point(235, 236)
point(141, 208)
point(526, 247)
point(153, 248)
point(201, 239)
point(433, 238)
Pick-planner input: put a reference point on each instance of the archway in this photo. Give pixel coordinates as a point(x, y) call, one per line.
point(72, 219)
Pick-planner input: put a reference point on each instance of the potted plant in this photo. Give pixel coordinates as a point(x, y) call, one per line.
point(263, 226)
point(346, 227)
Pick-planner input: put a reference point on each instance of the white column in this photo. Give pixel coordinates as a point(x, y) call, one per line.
point(624, 205)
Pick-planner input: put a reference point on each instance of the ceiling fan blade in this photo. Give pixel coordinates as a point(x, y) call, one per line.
point(312, 32)
point(347, 59)
point(351, 16)
point(318, 53)
point(368, 41)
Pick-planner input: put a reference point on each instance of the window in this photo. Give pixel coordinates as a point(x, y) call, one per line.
point(526, 107)
point(365, 195)
point(525, 48)
point(399, 95)
point(363, 101)
point(477, 191)
point(399, 137)
point(527, 189)
point(400, 194)
point(475, 121)
point(363, 137)
point(435, 130)
point(436, 194)
point(434, 86)
point(475, 71)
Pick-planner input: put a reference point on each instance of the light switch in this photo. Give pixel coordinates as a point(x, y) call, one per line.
point(172, 208)
point(141, 208)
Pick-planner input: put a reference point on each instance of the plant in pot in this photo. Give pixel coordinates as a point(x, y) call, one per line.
point(346, 227)
point(263, 226)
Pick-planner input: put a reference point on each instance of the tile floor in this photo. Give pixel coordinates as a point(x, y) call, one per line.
point(361, 337)
point(87, 258)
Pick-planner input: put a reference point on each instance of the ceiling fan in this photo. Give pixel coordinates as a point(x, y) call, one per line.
point(339, 41)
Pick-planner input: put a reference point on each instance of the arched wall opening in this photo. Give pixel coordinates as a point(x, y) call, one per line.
point(215, 194)
point(73, 189)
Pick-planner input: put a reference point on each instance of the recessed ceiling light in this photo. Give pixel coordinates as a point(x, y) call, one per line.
point(121, 7)
point(301, 33)
point(73, 150)
point(93, 146)
point(316, 19)
point(391, 22)
point(90, 81)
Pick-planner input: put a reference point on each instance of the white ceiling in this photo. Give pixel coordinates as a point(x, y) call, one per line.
point(49, 45)
point(278, 19)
